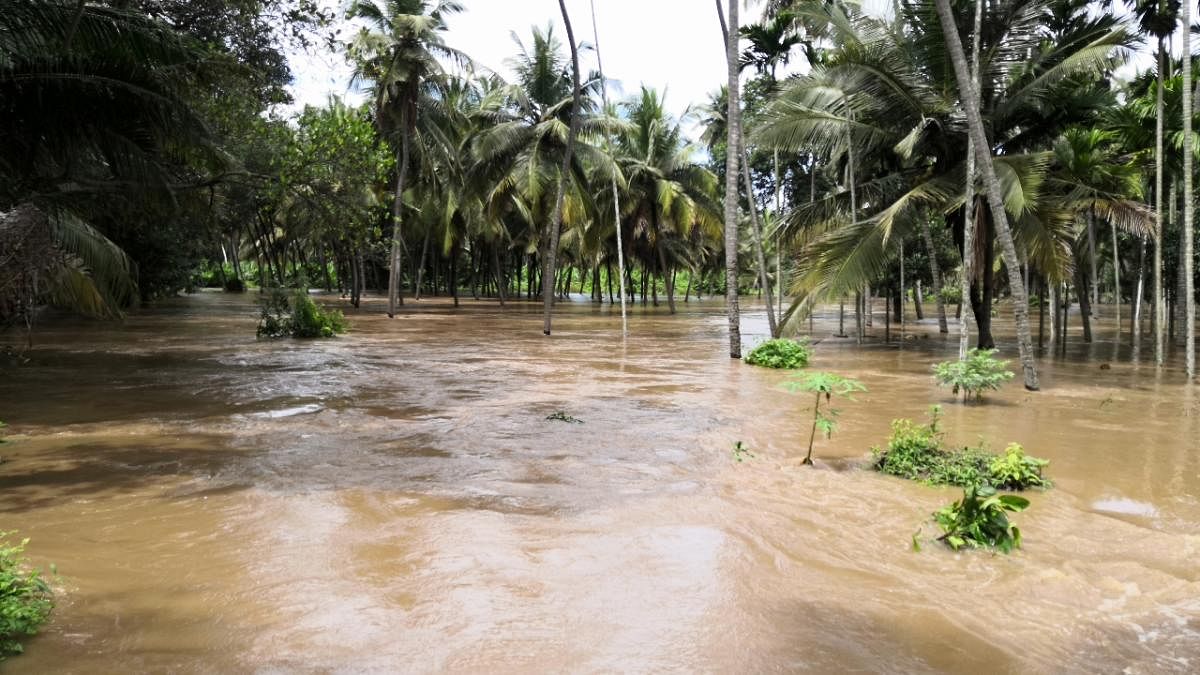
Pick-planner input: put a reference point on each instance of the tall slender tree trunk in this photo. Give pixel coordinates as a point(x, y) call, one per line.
point(936, 273)
point(1116, 252)
point(1084, 293)
point(969, 204)
point(556, 221)
point(420, 276)
point(995, 197)
point(1093, 279)
point(500, 281)
point(615, 193)
point(1189, 291)
point(1159, 314)
point(1135, 327)
point(394, 298)
point(756, 223)
point(732, 115)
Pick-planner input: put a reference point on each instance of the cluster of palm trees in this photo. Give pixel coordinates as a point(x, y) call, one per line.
point(991, 140)
point(1020, 145)
point(505, 175)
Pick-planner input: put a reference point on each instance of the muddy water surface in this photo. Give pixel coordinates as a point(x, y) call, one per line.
point(395, 500)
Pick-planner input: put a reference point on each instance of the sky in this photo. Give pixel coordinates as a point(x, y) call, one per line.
point(672, 45)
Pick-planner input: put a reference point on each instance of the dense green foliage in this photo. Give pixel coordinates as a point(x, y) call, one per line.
point(824, 386)
point(296, 314)
point(980, 372)
point(917, 452)
point(25, 598)
point(780, 353)
point(980, 520)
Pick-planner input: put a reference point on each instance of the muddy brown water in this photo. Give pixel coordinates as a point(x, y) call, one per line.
point(396, 501)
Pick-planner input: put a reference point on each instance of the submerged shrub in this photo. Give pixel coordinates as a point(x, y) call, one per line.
point(916, 452)
point(981, 372)
point(297, 316)
point(781, 353)
point(25, 598)
point(1014, 470)
point(980, 520)
point(235, 285)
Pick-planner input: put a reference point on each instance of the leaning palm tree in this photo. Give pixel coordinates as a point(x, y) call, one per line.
point(398, 52)
point(909, 139)
point(970, 101)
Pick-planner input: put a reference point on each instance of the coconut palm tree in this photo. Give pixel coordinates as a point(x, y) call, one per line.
point(398, 51)
point(910, 139)
point(970, 101)
point(551, 250)
point(668, 195)
point(733, 144)
point(1158, 18)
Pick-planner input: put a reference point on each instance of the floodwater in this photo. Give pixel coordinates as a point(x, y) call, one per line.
point(396, 501)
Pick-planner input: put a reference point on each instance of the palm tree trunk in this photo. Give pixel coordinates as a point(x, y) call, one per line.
point(616, 195)
point(1189, 292)
point(1135, 327)
point(1158, 209)
point(394, 298)
point(552, 236)
point(778, 244)
point(968, 255)
point(733, 113)
point(1116, 280)
point(763, 278)
point(500, 281)
point(1093, 279)
point(995, 198)
point(1084, 293)
point(936, 273)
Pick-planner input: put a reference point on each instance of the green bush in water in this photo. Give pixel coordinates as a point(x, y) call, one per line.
point(1014, 470)
point(980, 520)
point(981, 372)
point(298, 316)
point(25, 598)
point(781, 353)
point(916, 452)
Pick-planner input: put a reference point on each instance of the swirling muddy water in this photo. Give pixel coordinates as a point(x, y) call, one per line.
point(395, 500)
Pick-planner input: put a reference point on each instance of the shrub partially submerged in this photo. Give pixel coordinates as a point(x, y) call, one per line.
point(25, 598)
point(1014, 470)
point(980, 520)
point(781, 353)
point(981, 372)
point(297, 316)
point(916, 452)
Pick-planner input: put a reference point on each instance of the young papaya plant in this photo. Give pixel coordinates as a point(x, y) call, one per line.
point(824, 386)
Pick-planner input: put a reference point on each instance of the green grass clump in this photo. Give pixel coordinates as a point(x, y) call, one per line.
point(981, 372)
point(25, 598)
point(916, 452)
point(297, 316)
point(780, 353)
